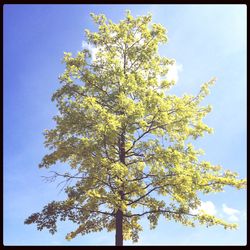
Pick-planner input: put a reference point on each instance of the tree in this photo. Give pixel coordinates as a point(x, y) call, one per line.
point(124, 137)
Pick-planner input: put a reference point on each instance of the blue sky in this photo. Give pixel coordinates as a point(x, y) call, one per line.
point(205, 40)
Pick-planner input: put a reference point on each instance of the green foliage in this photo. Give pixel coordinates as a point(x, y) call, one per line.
point(118, 94)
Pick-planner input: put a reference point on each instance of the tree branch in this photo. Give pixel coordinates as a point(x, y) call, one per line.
point(157, 211)
point(143, 196)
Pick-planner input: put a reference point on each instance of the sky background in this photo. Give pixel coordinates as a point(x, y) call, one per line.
point(205, 40)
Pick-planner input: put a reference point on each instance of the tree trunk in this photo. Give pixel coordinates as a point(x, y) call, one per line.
point(119, 232)
point(119, 213)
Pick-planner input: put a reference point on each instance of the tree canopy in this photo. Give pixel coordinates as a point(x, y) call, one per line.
point(124, 137)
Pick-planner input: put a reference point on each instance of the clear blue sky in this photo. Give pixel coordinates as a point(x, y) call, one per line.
point(205, 40)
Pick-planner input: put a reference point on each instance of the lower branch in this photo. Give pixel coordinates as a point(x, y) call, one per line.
point(156, 211)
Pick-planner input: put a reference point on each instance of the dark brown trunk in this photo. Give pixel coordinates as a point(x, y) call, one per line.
point(119, 213)
point(122, 148)
point(119, 231)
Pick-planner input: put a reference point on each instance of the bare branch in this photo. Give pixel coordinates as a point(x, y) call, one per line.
point(157, 211)
point(143, 196)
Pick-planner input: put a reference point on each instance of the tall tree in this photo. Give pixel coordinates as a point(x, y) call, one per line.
point(124, 137)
